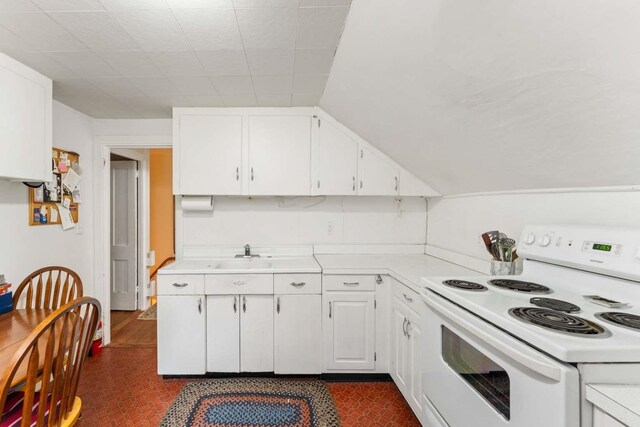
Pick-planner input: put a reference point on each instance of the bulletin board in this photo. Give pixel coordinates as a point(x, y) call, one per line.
point(49, 202)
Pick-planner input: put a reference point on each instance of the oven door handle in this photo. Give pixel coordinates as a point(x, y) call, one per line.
point(534, 362)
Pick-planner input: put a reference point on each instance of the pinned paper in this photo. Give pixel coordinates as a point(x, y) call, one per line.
point(38, 194)
point(71, 180)
point(66, 202)
point(76, 195)
point(62, 167)
point(65, 217)
point(54, 215)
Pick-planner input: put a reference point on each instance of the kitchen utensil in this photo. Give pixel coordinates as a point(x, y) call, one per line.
point(506, 246)
point(490, 239)
point(487, 243)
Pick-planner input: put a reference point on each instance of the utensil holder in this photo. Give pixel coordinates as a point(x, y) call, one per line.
point(502, 268)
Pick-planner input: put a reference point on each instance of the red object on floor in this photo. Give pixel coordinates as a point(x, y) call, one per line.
point(96, 345)
point(121, 388)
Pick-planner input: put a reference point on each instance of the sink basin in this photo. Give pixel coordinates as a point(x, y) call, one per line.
point(239, 264)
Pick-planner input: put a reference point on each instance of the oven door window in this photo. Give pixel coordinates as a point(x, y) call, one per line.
point(488, 378)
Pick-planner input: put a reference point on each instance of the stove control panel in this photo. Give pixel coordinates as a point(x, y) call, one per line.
point(604, 250)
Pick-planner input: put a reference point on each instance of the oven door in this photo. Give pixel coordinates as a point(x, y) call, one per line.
point(477, 375)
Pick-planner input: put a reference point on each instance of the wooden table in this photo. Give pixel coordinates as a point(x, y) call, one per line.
point(15, 326)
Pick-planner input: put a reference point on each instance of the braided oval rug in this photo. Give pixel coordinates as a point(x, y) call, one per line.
point(253, 402)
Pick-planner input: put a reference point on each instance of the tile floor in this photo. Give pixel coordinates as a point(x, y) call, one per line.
point(120, 388)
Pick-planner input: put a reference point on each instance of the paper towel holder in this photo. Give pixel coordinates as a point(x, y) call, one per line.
point(197, 203)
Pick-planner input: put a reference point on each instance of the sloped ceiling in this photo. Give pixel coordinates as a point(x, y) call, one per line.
point(494, 95)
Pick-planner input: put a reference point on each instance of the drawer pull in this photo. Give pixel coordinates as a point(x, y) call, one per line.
point(235, 304)
point(407, 298)
point(297, 284)
point(329, 310)
point(244, 304)
point(180, 285)
point(351, 283)
point(278, 305)
point(239, 282)
point(378, 279)
point(200, 305)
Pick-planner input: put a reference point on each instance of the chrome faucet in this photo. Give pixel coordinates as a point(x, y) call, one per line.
point(247, 253)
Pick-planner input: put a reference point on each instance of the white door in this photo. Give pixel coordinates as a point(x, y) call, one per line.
point(223, 333)
point(414, 343)
point(376, 176)
point(279, 155)
point(349, 330)
point(124, 234)
point(400, 347)
point(209, 153)
point(335, 161)
point(297, 330)
point(181, 335)
point(256, 333)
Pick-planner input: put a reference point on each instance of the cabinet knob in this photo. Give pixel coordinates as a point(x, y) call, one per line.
point(200, 305)
point(239, 282)
point(351, 284)
point(360, 183)
point(329, 310)
point(396, 178)
point(237, 173)
point(180, 285)
point(297, 284)
point(407, 297)
point(354, 184)
point(251, 174)
point(235, 304)
point(244, 304)
point(278, 305)
point(404, 327)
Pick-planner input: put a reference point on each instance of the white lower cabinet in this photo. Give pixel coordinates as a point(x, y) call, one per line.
point(240, 333)
point(181, 334)
point(298, 331)
point(602, 419)
point(349, 330)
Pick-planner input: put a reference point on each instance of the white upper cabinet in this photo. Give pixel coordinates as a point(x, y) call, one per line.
point(335, 160)
point(207, 154)
point(377, 177)
point(279, 155)
point(25, 122)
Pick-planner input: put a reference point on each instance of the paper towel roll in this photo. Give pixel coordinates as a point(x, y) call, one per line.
point(197, 203)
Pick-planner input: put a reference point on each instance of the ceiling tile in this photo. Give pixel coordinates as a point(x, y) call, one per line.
point(51, 5)
point(134, 5)
point(170, 101)
point(320, 26)
point(136, 103)
point(85, 105)
point(210, 29)
point(42, 32)
point(224, 62)
point(268, 27)
point(200, 4)
point(17, 6)
point(153, 29)
point(117, 86)
point(97, 30)
point(131, 64)
point(74, 87)
point(84, 64)
point(272, 84)
point(11, 42)
point(42, 64)
point(270, 61)
point(274, 100)
point(304, 3)
point(205, 101)
point(306, 100)
point(110, 105)
point(243, 4)
point(313, 61)
point(304, 84)
point(233, 85)
point(154, 86)
point(194, 86)
point(247, 100)
point(178, 63)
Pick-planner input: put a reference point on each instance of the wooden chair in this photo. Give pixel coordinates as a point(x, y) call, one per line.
point(53, 356)
point(49, 287)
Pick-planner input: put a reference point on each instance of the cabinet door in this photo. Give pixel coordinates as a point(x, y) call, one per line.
point(400, 347)
point(279, 155)
point(223, 333)
point(297, 329)
point(349, 330)
point(414, 331)
point(376, 176)
point(181, 335)
point(208, 155)
point(335, 158)
point(256, 333)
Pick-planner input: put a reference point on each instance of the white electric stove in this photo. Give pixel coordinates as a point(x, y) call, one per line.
point(518, 350)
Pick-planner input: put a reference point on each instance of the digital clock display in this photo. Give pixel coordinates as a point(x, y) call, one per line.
point(601, 247)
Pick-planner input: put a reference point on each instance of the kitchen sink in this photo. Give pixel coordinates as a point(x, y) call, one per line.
point(238, 264)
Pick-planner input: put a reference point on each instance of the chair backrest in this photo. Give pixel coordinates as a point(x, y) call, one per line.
point(49, 287)
point(53, 355)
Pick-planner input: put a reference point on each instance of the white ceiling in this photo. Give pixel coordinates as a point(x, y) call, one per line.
point(495, 95)
point(138, 58)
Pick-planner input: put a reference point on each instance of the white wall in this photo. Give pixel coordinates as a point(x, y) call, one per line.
point(132, 127)
point(277, 221)
point(494, 95)
point(456, 223)
point(24, 248)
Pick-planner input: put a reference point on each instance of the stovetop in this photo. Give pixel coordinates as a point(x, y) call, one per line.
point(552, 296)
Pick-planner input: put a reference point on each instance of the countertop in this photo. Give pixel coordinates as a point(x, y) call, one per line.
point(407, 268)
point(264, 265)
point(618, 400)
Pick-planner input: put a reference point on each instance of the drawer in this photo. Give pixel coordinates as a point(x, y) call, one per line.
point(297, 284)
point(407, 296)
point(180, 284)
point(349, 283)
point(230, 284)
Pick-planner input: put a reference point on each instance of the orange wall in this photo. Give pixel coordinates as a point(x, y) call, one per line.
point(161, 204)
